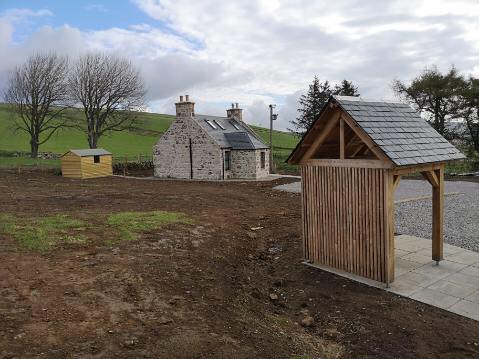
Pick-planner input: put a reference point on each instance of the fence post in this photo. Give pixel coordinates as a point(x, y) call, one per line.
point(18, 166)
point(124, 165)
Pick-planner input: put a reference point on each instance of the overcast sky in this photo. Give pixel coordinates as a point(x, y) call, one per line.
point(251, 52)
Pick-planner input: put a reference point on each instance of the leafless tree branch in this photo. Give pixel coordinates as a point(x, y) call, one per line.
point(37, 92)
point(108, 88)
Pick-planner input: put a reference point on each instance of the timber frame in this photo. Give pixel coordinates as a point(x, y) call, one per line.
point(348, 185)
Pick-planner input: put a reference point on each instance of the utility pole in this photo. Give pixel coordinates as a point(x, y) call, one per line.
point(272, 117)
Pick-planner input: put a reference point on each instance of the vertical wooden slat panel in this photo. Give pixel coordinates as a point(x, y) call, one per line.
point(327, 239)
point(347, 219)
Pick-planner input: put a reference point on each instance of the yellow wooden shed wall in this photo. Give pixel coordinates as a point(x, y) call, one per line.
point(74, 166)
point(71, 165)
point(92, 170)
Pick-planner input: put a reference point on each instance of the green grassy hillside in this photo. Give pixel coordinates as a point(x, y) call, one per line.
point(121, 144)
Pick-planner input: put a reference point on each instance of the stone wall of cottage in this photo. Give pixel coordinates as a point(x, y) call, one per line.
point(247, 164)
point(171, 155)
point(262, 172)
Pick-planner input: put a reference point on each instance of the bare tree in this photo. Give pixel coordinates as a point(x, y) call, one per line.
point(108, 88)
point(37, 92)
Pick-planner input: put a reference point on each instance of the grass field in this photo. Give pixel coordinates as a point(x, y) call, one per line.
point(121, 144)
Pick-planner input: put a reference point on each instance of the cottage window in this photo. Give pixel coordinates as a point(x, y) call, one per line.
point(235, 125)
point(96, 159)
point(211, 124)
point(219, 125)
point(263, 159)
point(227, 160)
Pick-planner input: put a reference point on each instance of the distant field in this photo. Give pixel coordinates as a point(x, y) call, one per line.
point(121, 144)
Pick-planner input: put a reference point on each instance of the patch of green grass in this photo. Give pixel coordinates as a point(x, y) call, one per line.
point(131, 224)
point(464, 166)
point(45, 233)
point(141, 141)
point(27, 161)
point(281, 139)
point(279, 159)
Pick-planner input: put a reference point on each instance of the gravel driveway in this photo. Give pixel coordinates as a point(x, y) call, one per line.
point(414, 215)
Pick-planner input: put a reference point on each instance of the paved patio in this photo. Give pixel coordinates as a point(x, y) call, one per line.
point(452, 285)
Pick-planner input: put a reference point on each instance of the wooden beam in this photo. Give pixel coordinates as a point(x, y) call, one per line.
point(321, 138)
point(418, 168)
point(364, 137)
point(341, 138)
point(431, 177)
point(358, 149)
point(353, 163)
point(396, 180)
point(438, 216)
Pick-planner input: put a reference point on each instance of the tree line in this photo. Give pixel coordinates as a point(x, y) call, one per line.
point(106, 88)
point(449, 101)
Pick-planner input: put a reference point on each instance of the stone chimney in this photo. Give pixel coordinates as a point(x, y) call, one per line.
point(185, 108)
point(235, 112)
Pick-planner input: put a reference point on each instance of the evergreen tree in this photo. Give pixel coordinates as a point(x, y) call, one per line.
point(311, 103)
point(346, 88)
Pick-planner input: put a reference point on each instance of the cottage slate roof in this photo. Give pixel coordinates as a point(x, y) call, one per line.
point(230, 133)
point(399, 131)
point(90, 152)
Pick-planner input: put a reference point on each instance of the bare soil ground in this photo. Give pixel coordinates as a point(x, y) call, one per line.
point(197, 291)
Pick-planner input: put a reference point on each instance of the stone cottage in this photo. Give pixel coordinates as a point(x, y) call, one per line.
point(210, 147)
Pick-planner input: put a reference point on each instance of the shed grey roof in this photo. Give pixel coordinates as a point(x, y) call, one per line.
point(90, 152)
point(230, 133)
point(399, 131)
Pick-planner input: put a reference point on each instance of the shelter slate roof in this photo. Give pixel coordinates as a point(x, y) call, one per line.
point(399, 131)
point(90, 152)
point(230, 133)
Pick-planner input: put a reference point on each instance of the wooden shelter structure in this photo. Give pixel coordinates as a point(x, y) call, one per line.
point(352, 158)
point(89, 163)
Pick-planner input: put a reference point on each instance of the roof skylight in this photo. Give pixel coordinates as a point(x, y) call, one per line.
point(235, 125)
point(219, 125)
point(211, 124)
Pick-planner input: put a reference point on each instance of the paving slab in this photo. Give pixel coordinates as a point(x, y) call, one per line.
point(434, 298)
point(474, 297)
point(466, 309)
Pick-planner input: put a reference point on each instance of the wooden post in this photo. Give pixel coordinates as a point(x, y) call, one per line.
point(438, 215)
point(18, 166)
point(124, 165)
point(341, 138)
point(389, 225)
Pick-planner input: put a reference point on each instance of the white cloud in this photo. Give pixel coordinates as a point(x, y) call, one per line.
point(284, 44)
point(267, 51)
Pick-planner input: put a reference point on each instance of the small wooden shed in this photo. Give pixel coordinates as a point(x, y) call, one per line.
point(352, 158)
point(90, 163)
